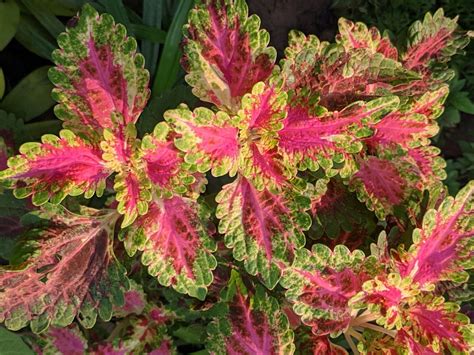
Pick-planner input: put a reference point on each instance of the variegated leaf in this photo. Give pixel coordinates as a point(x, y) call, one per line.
point(435, 39)
point(253, 323)
point(121, 151)
point(64, 267)
point(225, 52)
point(320, 284)
point(442, 248)
point(312, 141)
point(176, 245)
point(100, 79)
point(263, 229)
point(57, 167)
point(358, 35)
point(209, 139)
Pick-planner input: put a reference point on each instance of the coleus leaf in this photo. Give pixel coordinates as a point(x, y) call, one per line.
point(100, 79)
point(252, 323)
point(260, 118)
point(121, 151)
point(357, 35)
point(264, 229)
point(60, 166)
point(320, 284)
point(412, 125)
point(209, 139)
point(383, 183)
point(436, 39)
point(313, 141)
point(310, 344)
point(67, 340)
point(64, 268)
point(176, 245)
point(225, 52)
point(165, 166)
point(443, 246)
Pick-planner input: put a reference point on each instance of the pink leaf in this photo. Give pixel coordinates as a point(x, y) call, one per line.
point(225, 52)
point(321, 283)
point(65, 341)
point(71, 266)
point(209, 139)
point(263, 228)
point(435, 39)
point(315, 140)
point(442, 247)
point(176, 245)
point(100, 79)
point(58, 167)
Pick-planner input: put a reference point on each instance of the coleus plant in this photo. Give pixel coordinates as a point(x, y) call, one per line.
point(327, 150)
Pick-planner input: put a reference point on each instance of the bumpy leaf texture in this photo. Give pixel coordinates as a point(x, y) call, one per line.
point(57, 167)
point(264, 229)
point(225, 52)
point(252, 324)
point(443, 247)
point(174, 238)
point(320, 284)
point(100, 79)
point(64, 268)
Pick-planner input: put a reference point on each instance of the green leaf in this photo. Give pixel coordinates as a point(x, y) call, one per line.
point(169, 62)
point(9, 20)
point(152, 14)
point(149, 33)
point(12, 344)
point(450, 118)
point(49, 21)
point(462, 102)
point(33, 37)
point(31, 97)
point(63, 7)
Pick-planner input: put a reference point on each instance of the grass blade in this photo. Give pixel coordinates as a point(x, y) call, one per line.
point(149, 34)
point(45, 17)
point(33, 37)
point(169, 62)
point(152, 14)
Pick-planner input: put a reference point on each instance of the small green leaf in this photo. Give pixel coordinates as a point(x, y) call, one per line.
point(12, 344)
point(31, 97)
point(9, 20)
point(462, 102)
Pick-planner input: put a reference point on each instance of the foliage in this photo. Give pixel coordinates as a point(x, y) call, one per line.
point(325, 228)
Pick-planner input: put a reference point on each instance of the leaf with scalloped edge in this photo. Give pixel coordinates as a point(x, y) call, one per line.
point(165, 165)
point(313, 141)
point(358, 35)
point(385, 182)
point(260, 118)
point(412, 125)
point(442, 248)
point(225, 52)
point(176, 245)
point(121, 152)
point(310, 344)
point(434, 40)
point(99, 76)
point(320, 284)
point(333, 77)
point(67, 340)
point(209, 139)
point(55, 168)
point(437, 325)
point(264, 229)
point(252, 323)
point(64, 267)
